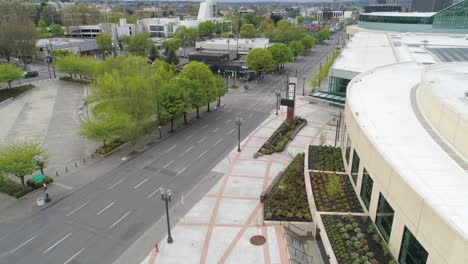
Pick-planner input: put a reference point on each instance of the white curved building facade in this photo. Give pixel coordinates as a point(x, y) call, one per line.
point(406, 152)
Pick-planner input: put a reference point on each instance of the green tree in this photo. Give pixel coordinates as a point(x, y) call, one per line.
point(153, 53)
point(225, 35)
point(18, 158)
point(18, 37)
point(138, 45)
point(174, 101)
point(297, 47)
point(82, 66)
point(200, 72)
point(300, 20)
point(104, 43)
point(209, 29)
point(282, 31)
point(101, 129)
point(323, 35)
point(308, 41)
point(198, 96)
point(219, 85)
point(174, 44)
point(56, 30)
point(247, 18)
point(281, 53)
point(258, 20)
point(171, 56)
point(42, 29)
point(248, 31)
point(260, 60)
point(9, 73)
point(61, 53)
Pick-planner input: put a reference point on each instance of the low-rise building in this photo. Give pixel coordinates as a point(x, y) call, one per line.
point(235, 47)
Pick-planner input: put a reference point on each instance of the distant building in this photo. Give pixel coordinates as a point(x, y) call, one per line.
point(180, 10)
point(383, 6)
point(73, 45)
point(429, 5)
point(282, 13)
point(232, 45)
point(243, 11)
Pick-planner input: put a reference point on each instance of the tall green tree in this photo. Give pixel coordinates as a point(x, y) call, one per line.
point(56, 30)
point(260, 60)
point(18, 158)
point(308, 41)
point(18, 38)
point(102, 128)
point(174, 44)
point(171, 56)
point(138, 45)
point(281, 53)
point(248, 31)
point(297, 47)
point(81, 66)
point(200, 72)
point(153, 53)
point(42, 29)
point(174, 100)
point(9, 73)
point(323, 35)
point(104, 43)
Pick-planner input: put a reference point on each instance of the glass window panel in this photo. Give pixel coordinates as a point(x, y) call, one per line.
point(384, 219)
point(366, 188)
point(348, 149)
point(355, 166)
point(411, 251)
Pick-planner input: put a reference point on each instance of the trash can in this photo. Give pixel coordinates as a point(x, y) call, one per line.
point(40, 201)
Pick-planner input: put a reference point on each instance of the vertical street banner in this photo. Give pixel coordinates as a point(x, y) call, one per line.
point(292, 83)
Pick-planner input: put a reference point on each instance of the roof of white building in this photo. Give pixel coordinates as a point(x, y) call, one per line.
point(386, 116)
point(398, 14)
point(369, 49)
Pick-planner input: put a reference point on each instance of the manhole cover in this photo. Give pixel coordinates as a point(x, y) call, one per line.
point(257, 240)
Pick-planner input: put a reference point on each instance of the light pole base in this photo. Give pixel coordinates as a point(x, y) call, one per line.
point(47, 199)
point(169, 240)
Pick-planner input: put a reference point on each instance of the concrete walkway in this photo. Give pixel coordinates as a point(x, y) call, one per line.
point(219, 227)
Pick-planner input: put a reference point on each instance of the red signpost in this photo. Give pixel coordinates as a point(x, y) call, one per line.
point(292, 82)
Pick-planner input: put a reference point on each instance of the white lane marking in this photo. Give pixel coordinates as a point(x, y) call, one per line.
point(218, 117)
point(214, 131)
point(105, 208)
point(138, 185)
point(147, 163)
point(63, 185)
point(153, 193)
point(218, 141)
point(120, 219)
point(228, 121)
point(239, 113)
point(187, 138)
point(170, 149)
point(187, 150)
point(230, 132)
point(78, 208)
point(182, 170)
point(201, 140)
point(56, 243)
point(165, 166)
point(117, 183)
point(205, 126)
point(24, 243)
point(201, 155)
point(250, 116)
point(74, 256)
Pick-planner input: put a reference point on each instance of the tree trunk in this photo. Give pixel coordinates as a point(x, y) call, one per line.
point(208, 107)
point(9, 84)
point(71, 75)
point(185, 118)
point(172, 124)
point(198, 116)
point(22, 182)
point(104, 143)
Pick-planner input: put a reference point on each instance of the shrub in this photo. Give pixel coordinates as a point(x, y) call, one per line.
point(14, 92)
point(11, 187)
point(70, 79)
point(102, 150)
point(37, 185)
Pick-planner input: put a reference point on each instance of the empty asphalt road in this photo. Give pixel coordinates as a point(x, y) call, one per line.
point(98, 222)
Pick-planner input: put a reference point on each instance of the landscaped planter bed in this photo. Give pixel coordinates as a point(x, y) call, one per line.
point(355, 240)
point(287, 201)
point(325, 158)
point(104, 150)
point(280, 138)
point(334, 193)
point(6, 93)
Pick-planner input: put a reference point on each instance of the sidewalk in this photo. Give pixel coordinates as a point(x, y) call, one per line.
point(219, 227)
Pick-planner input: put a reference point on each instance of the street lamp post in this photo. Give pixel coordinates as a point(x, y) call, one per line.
point(303, 86)
point(40, 163)
point(166, 197)
point(160, 132)
point(278, 94)
point(239, 122)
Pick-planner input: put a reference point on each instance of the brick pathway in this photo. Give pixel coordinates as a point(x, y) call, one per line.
point(219, 227)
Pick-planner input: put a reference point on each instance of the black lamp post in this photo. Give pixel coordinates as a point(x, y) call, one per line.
point(160, 132)
point(40, 163)
point(239, 122)
point(278, 94)
point(166, 197)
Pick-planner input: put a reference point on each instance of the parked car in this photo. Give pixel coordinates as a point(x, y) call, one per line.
point(30, 74)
